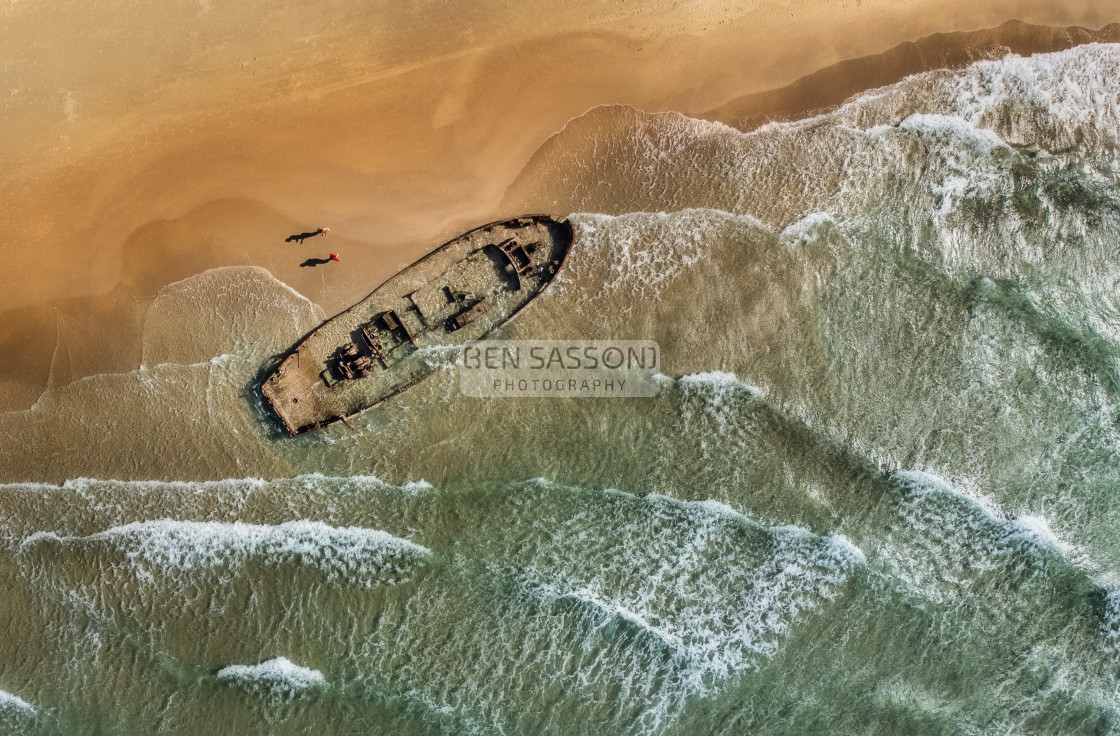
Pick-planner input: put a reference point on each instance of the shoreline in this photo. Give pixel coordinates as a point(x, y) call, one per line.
point(391, 191)
point(828, 88)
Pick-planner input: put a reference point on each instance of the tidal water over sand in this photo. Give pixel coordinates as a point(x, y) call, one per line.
point(877, 492)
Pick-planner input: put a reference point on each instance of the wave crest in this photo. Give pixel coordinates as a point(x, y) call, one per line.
point(277, 680)
point(368, 557)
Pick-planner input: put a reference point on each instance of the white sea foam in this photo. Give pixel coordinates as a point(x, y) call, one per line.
point(614, 608)
point(715, 507)
point(718, 383)
point(1070, 87)
point(641, 253)
point(221, 306)
point(710, 378)
point(1037, 530)
point(416, 486)
point(111, 503)
point(961, 158)
point(722, 396)
point(849, 548)
point(687, 126)
point(1110, 624)
point(715, 624)
point(1054, 100)
point(14, 702)
point(236, 274)
point(439, 356)
point(366, 557)
point(966, 122)
point(920, 482)
point(945, 538)
point(809, 228)
point(955, 131)
point(277, 679)
point(631, 264)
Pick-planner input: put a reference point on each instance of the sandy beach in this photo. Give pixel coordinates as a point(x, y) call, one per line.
point(135, 158)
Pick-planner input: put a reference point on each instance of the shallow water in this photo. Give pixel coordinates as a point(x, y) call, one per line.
point(875, 494)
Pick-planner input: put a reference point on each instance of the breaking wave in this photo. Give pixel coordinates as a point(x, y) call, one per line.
point(14, 702)
point(278, 680)
point(715, 626)
point(365, 557)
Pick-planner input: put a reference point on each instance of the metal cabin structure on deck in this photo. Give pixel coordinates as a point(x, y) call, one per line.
point(460, 292)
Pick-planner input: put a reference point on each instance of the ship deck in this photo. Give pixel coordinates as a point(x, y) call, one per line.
point(391, 339)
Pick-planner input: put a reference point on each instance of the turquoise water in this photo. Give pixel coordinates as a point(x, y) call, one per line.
point(876, 493)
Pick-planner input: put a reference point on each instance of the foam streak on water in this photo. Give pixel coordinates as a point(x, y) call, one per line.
point(9, 701)
point(166, 546)
point(277, 679)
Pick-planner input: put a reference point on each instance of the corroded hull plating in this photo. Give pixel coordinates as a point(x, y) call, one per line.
point(377, 348)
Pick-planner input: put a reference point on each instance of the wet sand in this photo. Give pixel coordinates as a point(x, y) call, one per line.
point(828, 88)
point(135, 158)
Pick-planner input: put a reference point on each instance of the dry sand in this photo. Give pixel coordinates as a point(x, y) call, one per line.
point(145, 142)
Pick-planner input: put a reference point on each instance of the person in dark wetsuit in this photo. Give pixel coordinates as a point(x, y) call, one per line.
point(324, 231)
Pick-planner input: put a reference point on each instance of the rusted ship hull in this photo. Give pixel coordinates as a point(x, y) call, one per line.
point(460, 292)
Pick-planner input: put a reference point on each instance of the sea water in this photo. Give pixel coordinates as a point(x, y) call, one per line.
point(877, 491)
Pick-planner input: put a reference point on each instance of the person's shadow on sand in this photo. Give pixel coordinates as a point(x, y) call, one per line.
point(304, 236)
point(313, 262)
